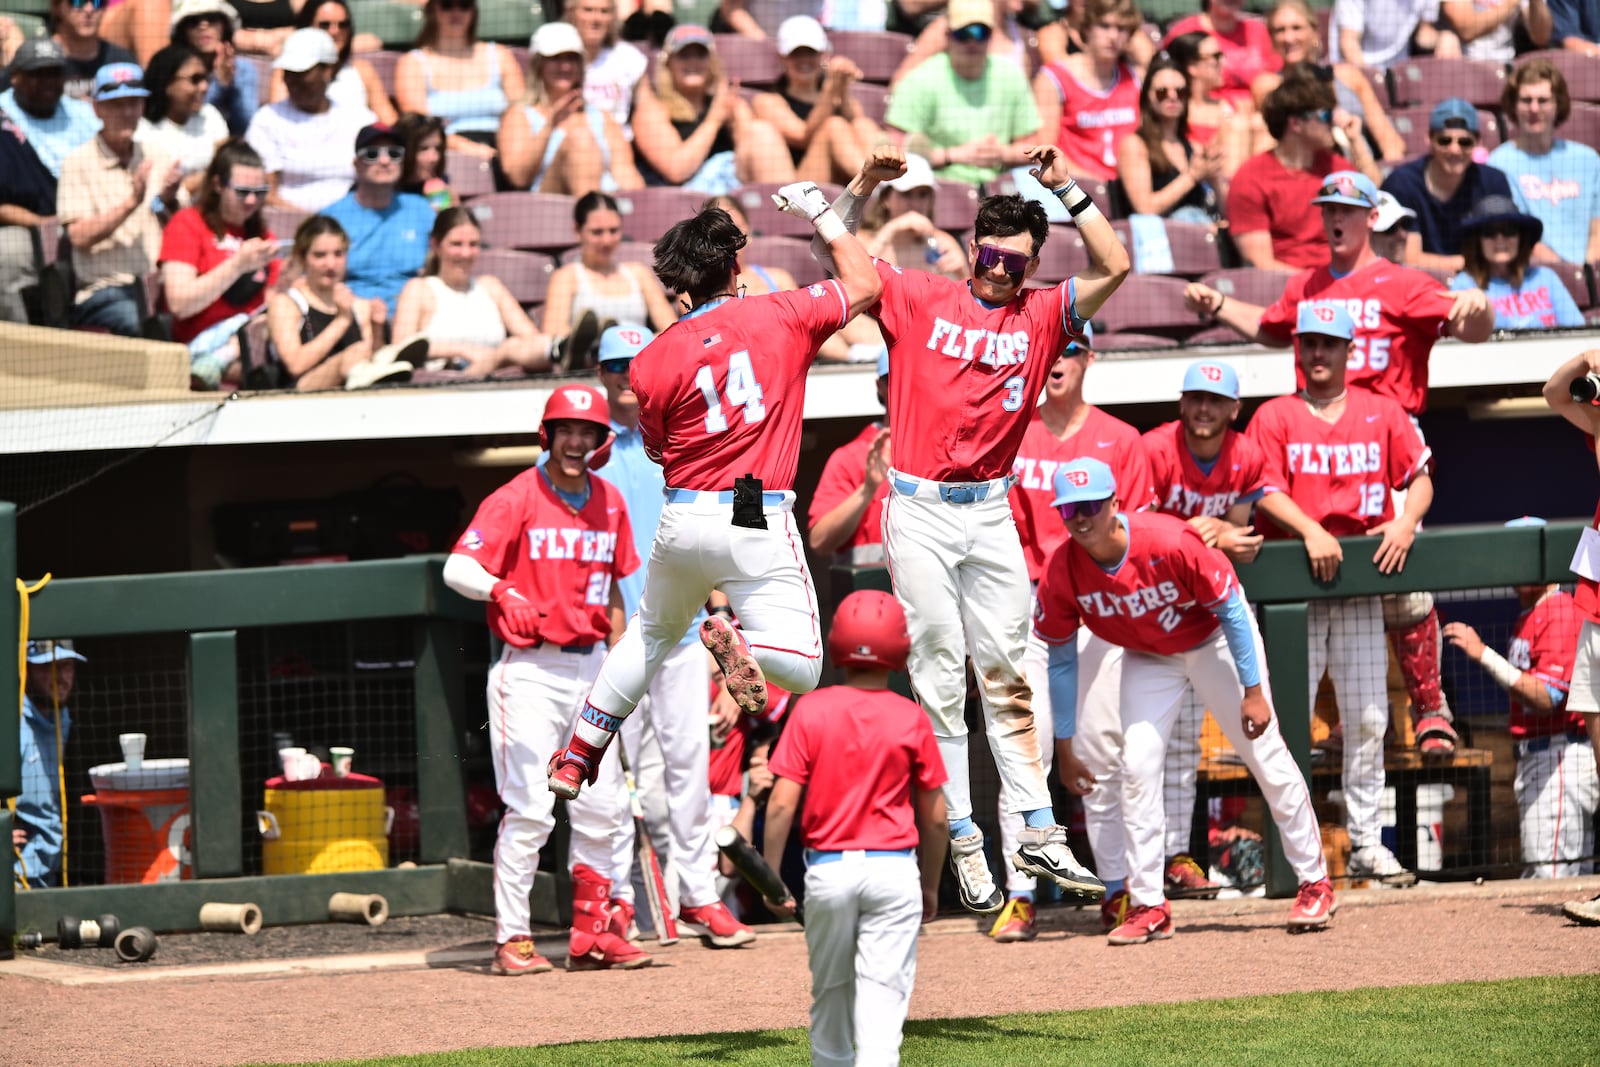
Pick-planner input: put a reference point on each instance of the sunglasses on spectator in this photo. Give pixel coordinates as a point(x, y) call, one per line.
point(615, 366)
point(1087, 508)
point(334, 24)
point(1324, 115)
point(196, 79)
point(457, 5)
point(1502, 230)
point(373, 153)
point(1444, 140)
point(1014, 264)
point(977, 33)
point(79, 5)
point(1167, 93)
point(245, 192)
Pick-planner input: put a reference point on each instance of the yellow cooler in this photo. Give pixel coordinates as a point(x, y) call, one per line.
point(323, 824)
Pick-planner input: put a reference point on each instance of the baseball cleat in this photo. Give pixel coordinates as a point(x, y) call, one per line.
point(1436, 738)
point(716, 924)
point(518, 956)
point(1314, 905)
point(606, 952)
point(1186, 881)
point(1043, 852)
point(740, 671)
point(1114, 910)
point(974, 884)
point(1583, 912)
point(1377, 863)
point(621, 922)
point(1015, 922)
point(1144, 923)
point(567, 774)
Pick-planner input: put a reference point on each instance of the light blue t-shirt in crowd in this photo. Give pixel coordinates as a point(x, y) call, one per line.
point(387, 248)
point(1542, 303)
point(1560, 188)
point(53, 139)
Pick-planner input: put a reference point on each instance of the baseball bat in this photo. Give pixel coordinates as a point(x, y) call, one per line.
point(655, 887)
point(754, 869)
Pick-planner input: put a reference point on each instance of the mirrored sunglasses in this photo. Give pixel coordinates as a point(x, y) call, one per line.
point(373, 153)
point(1087, 508)
point(615, 366)
point(244, 192)
point(1013, 263)
point(977, 33)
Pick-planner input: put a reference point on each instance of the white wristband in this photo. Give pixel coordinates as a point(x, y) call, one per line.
point(1086, 213)
point(829, 226)
point(1499, 668)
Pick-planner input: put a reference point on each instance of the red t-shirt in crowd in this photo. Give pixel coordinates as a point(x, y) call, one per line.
point(1161, 599)
point(1183, 489)
point(1093, 121)
point(842, 475)
point(726, 766)
point(1102, 436)
point(859, 752)
point(187, 239)
point(1339, 473)
point(966, 375)
point(564, 561)
point(1247, 52)
point(1266, 195)
point(722, 390)
point(1398, 314)
point(1544, 643)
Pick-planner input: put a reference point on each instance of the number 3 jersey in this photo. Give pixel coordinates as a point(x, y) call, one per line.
point(1160, 599)
point(965, 376)
point(722, 390)
point(564, 561)
point(1339, 473)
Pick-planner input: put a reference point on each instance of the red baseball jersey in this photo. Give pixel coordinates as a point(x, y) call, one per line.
point(564, 561)
point(1183, 489)
point(1544, 643)
point(966, 375)
point(1103, 437)
point(842, 475)
point(1160, 599)
point(859, 752)
point(722, 390)
point(1398, 312)
point(1093, 121)
point(1339, 473)
point(725, 768)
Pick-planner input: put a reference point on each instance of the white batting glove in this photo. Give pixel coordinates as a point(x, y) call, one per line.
point(803, 200)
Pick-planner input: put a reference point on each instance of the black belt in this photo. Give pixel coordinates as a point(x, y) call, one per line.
point(581, 650)
point(1541, 744)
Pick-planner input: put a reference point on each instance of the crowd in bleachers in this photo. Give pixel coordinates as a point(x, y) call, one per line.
point(279, 185)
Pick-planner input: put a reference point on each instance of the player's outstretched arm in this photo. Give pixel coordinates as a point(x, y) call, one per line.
point(1471, 317)
point(851, 265)
point(1108, 259)
point(1558, 391)
point(1214, 306)
point(884, 163)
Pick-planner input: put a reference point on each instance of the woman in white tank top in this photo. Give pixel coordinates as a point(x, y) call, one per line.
point(596, 282)
point(471, 323)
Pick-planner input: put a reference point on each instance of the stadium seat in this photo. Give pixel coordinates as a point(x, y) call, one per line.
point(874, 100)
point(878, 55)
point(383, 63)
point(1576, 278)
point(1582, 72)
point(1583, 125)
point(1114, 341)
point(767, 220)
point(648, 213)
point(470, 176)
point(1428, 81)
point(508, 21)
point(1061, 257)
point(525, 274)
point(395, 24)
point(1146, 304)
point(955, 205)
point(627, 252)
point(1411, 123)
point(748, 61)
point(1249, 285)
point(1194, 247)
point(282, 222)
point(789, 253)
point(537, 222)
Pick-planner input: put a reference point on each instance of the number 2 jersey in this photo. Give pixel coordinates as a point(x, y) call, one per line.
point(1399, 314)
point(966, 374)
point(1339, 473)
point(563, 561)
point(1160, 599)
point(722, 390)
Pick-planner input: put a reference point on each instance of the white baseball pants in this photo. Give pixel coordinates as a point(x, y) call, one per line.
point(534, 694)
point(959, 573)
point(1584, 696)
point(1347, 640)
point(1182, 773)
point(1557, 792)
point(862, 917)
point(1153, 689)
point(669, 744)
point(764, 575)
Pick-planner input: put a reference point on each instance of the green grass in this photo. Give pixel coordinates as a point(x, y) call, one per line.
point(1523, 1021)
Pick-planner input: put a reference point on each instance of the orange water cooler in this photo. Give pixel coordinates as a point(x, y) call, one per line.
point(144, 817)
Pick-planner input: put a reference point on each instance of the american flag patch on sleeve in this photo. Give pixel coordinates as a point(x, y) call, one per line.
point(714, 339)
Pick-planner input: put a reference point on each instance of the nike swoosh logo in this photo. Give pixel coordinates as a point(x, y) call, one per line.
point(1372, 418)
point(611, 511)
point(1104, 444)
point(1316, 911)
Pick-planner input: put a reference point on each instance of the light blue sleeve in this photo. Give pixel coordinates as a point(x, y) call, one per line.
point(1234, 615)
point(1558, 697)
point(1567, 313)
point(1064, 688)
point(1463, 280)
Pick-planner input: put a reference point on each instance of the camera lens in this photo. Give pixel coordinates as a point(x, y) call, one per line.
point(1585, 390)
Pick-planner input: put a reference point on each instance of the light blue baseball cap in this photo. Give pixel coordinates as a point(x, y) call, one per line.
point(1526, 520)
point(1326, 317)
point(1209, 377)
point(621, 343)
point(1454, 113)
point(1347, 187)
point(119, 81)
point(1086, 344)
point(1083, 479)
point(52, 651)
point(883, 362)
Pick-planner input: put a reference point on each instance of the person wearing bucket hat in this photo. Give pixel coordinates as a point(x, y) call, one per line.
point(1315, 493)
point(813, 105)
point(846, 516)
point(1442, 186)
point(1554, 179)
point(208, 27)
point(1197, 631)
point(37, 830)
point(1557, 785)
point(1497, 240)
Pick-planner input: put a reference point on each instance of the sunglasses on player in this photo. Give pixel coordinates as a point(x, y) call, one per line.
point(1014, 264)
point(1087, 508)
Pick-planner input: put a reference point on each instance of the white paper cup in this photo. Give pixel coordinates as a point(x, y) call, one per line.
point(341, 758)
point(290, 758)
point(132, 750)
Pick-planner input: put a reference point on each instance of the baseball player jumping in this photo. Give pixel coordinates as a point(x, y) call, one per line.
point(721, 395)
point(1148, 584)
point(874, 830)
point(546, 550)
point(970, 360)
point(1398, 314)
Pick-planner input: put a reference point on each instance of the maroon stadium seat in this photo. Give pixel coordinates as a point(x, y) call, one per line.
point(1194, 247)
point(767, 220)
point(470, 176)
point(878, 55)
point(383, 63)
point(1148, 304)
point(540, 222)
point(790, 253)
point(1249, 285)
point(648, 213)
point(874, 100)
point(1581, 72)
point(955, 205)
point(282, 221)
point(627, 252)
point(748, 61)
point(525, 274)
point(1428, 81)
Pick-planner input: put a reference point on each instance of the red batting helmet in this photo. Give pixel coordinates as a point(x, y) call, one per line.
point(580, 403)
point(869, 630)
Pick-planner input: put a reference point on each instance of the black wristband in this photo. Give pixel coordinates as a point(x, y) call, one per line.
point(1081, 207)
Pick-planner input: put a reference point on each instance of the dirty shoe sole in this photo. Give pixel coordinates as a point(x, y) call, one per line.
point(740, 671)
point(1089, 889)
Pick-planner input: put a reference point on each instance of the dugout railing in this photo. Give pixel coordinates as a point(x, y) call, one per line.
point(212, 607)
